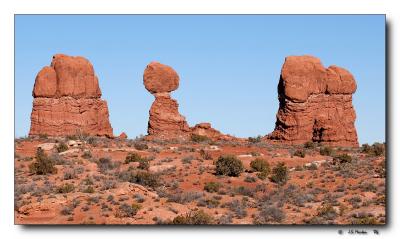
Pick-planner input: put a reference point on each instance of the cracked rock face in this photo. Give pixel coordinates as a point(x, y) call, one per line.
point(67, 100)
point(315, 104)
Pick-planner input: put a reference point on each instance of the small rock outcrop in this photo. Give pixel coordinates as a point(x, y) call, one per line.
point(67, 100)
point(315, 104)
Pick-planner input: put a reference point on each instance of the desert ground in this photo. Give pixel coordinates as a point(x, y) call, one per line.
point(92, 180)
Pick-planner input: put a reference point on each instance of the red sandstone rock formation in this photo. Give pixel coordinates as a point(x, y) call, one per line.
point(165, 121)
point(123, 135)
point(315, 104)
point(67, 100)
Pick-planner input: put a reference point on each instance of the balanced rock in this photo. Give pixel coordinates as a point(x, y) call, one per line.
point(67, 100)
point(159, 78)
point(165, 121)
point(315, 104)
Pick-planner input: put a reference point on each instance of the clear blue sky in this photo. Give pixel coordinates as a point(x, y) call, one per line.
point(229, 65)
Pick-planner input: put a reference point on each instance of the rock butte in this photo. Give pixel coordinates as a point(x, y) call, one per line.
point(67, 100)
point(165, 121)
point(315, 104)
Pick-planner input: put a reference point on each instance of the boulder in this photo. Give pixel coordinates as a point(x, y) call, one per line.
point(159, 78)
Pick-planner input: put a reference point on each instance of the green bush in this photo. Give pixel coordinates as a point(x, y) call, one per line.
point(144, 164)
point(309, 145)
point(66, 188)
point(205, 155)
point(280, 173)
point(134, 157)
point(255, 139)
point(126, 210)
point(199, 138)
point(326, 151)
point(140, 146)
point(61, 147)
point(141, 177)
point(260, 165)
point(105, 164)
point(43, 164)
point(193, 218)
point(327, 212)
point(212, 187)
point(229, 165)
point(342, 159)
point(376, 149)
point(89, 189)
point(300, 153)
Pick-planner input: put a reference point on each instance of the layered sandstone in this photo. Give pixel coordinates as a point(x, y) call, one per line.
point(165, 121)
point(315, 104)
point(67, 100)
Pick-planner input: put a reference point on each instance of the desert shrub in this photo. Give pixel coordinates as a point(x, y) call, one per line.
point(205, 155)
point(212, 187)
point(342, 159)
point(126, 210)
point(199, 138)
point(184, 197)
point(255, 139)
point(43, 164)
point(133, 157)
point(89, 189)
point(382, 169)
point(237, 207)
point(87, 154)
point(309, 145)
point(61, 147)
point(312, 166)
point(229, 165)
point(260, 165)
point(245, 191)
point(194, 218)
point(327, 212)
point(109, 184)
point(144, 178)
point(144, 164)
point(188, 159)
point(209, 203)
point(363, 218)
point(262, 175)
point(270, 214)
point(140, 146)
point(376, 149)
point(326, 151)
point(139, 198)
point(69, 174)
point(280, 173)
point(250, 179)
point(300, 153)
point(65, 188)
point(225, 219)
point(66, 210)
point(105, 164)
